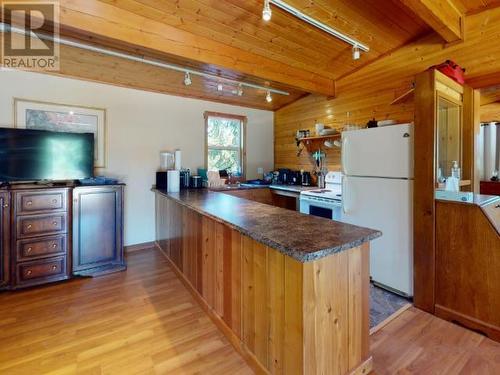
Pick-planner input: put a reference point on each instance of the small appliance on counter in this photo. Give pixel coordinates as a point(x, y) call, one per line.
point(196, 182)
point(305, 178)
point(185, 176)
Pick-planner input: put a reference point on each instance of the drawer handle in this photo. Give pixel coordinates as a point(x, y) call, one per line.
point(29, 272)
point(29, 250)
point(54, 201)
point(29, 203)
point(54, 268)
point(54, 223)
point(54, 246)
point(29, 226)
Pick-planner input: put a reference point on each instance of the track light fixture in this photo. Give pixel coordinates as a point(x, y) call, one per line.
point(356, 52)
point(187, 79)
point(269, 98)
point(267, 12)
point(188, 72)
point(284, 6)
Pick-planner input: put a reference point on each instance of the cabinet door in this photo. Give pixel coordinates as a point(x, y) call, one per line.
point(97, 227)
point(4, 239)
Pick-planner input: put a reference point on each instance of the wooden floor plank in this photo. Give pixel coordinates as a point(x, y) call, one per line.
point(142, 321)
point(419, 343)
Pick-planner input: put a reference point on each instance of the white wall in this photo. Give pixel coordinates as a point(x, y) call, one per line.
point(139, 125)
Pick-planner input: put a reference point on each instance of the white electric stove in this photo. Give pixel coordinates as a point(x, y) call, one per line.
point(325, 202)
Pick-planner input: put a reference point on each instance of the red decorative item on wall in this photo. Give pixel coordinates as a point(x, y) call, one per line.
point(452, 70)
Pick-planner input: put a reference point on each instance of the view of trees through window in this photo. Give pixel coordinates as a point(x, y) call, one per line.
point(225, 141)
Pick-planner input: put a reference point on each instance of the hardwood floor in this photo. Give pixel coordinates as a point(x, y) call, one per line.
point(142, 321)
point(419, 343)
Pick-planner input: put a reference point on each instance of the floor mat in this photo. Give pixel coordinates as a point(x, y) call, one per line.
point(383, 304)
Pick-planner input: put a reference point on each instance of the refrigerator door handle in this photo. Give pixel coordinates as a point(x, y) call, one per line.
point(344, 194)
point(343, 158)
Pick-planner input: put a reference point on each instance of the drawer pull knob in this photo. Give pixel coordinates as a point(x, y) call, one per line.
point(54, 201)
point(54, 245)
point(29, 272)
point(29, 203)
point(54, 268)
point(54, 223)
point(29, 226)
point(29, 250)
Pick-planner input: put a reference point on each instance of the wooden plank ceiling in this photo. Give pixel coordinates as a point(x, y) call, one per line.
point(229, 38)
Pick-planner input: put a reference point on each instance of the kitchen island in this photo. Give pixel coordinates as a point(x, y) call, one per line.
point(290, 291)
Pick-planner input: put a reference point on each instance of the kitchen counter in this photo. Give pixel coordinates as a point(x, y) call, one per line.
point(293, 188)
point(302, 237)
point(466, 198)
point(255, 266)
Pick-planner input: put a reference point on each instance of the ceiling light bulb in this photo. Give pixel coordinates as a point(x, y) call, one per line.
point(187, 79)
point(267, 12)
point(356, 53)
point(240, 90)
point(219, 87)
point(269, 98)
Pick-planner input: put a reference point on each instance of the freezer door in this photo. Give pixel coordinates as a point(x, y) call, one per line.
point(386, 205)
point(378, 152)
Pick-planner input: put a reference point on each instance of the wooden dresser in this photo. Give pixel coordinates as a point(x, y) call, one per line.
point(50, 234)
point(39, 236)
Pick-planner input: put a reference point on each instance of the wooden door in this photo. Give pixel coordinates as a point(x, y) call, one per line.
point(97, 226)
point(4, 238)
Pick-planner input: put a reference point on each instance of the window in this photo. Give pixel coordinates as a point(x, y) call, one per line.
point(225, 142)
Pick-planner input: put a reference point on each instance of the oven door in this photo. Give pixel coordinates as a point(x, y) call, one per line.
point(326, 208)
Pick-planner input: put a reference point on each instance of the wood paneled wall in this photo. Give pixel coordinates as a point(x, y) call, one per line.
point(285, 317)
point(368, 93)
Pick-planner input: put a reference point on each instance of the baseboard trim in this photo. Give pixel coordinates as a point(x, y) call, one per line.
point(139, 247)
point(385, 322)
point(248, 356)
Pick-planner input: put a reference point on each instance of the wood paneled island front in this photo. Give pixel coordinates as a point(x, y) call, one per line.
point(290, 291)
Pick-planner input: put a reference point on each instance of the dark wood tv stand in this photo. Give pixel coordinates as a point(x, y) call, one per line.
point(53, 232)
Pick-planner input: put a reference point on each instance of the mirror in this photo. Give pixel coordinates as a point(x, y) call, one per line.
point(449, 137)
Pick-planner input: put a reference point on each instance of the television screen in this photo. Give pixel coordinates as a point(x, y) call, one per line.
point(32, 155)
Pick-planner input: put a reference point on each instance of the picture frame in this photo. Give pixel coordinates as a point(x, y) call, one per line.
point(39, 115)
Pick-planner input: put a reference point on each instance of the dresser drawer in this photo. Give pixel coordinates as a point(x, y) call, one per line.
point(41, 271)
point(37, 248)
point(41, 225)
point(39, 202)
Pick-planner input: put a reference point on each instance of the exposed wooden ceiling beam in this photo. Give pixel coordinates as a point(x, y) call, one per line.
point(444, 16)
point(94, 18)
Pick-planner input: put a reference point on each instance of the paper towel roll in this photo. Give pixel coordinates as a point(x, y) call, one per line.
point(173, 181)
point(178, 160)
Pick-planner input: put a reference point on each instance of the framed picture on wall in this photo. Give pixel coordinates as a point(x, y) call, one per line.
point(37, 115)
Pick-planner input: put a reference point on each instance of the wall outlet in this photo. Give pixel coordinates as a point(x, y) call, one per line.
point(260, 170)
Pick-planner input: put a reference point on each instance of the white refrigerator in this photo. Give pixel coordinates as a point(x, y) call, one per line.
point(377, 192)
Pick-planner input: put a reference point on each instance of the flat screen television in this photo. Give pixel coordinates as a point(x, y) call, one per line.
point(34, 155)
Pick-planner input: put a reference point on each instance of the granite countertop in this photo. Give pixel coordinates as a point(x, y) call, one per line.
point(302, 237)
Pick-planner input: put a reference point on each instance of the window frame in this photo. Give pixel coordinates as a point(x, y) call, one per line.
point(242, 148)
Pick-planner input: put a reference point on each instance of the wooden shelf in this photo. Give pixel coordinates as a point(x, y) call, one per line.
point(317, 143)
point(404, 97)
